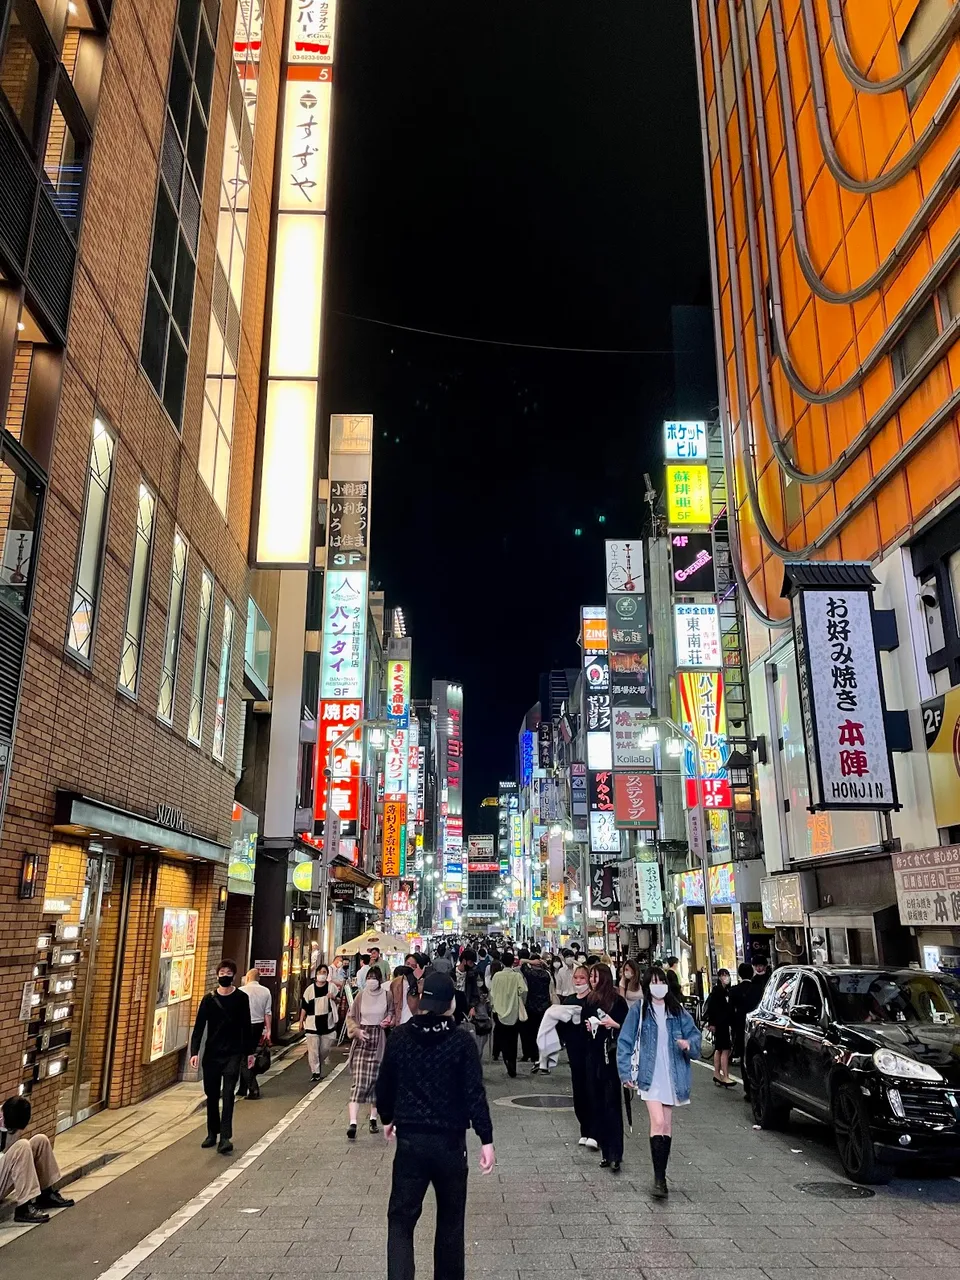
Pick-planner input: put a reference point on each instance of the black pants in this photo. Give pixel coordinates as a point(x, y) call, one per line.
point(607, 1094)
point(528, 1035)
point(422, 1159)
point(248, 1075)
point(505, 1043)
point(220, 1077)
point(579, 1079)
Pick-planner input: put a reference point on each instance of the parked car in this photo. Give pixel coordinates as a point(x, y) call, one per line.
point(873, 1052)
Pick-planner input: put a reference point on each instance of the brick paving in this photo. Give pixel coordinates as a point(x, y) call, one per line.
point(319, 1205)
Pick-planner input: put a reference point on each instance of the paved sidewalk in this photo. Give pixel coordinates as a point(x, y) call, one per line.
point(314, 1205)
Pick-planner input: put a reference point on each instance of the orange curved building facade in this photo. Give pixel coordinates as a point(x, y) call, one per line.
point(833, 163)
point(831, 138)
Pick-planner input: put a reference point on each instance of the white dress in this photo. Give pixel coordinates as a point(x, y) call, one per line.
point(661, 1086)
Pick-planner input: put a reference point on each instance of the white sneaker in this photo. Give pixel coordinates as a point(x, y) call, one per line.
point(583, 1142)
point(591, 1144)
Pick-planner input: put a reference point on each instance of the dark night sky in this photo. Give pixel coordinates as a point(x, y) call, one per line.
point(525, 170)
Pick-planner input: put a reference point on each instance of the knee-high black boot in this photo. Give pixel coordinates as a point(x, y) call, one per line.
point(659, 1151)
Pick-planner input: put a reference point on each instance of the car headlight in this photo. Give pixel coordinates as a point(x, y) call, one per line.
point(895, 1064)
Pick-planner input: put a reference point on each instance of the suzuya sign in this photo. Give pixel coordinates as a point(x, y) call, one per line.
point(841, 695)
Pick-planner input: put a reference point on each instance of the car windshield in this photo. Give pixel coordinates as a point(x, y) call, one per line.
point(869, 996)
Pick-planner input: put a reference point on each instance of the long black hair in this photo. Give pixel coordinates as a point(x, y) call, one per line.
point(656, 974)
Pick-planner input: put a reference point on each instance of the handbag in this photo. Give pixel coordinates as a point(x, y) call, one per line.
point(635, 1056)
point(261, 1059)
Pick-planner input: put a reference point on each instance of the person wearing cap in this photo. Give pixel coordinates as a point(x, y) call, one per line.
point(429, 1093)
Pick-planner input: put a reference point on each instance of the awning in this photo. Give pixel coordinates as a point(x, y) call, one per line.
point(77, 815)
point(855, 917)
point(817, 574)
point(341, 869)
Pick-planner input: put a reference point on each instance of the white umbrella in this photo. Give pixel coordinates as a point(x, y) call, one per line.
point(387, 942)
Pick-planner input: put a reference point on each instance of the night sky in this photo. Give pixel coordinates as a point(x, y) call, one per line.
point(527, 171)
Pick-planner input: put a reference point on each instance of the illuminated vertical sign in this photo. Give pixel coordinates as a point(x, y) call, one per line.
point(448, 699)
point(288, 458)
point(398, 690)
point(703, 716)
point(688, 495)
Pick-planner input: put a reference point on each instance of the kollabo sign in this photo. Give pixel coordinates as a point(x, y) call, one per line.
point(841, 697)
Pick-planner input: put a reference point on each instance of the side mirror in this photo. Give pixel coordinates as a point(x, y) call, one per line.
point(807, 1014)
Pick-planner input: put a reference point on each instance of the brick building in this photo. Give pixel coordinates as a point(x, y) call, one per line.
point(136, 171)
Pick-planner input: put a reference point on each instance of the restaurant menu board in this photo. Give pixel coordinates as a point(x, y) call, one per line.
point(174, 966)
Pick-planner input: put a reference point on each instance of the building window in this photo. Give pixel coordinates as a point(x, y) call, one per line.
point(199, 686)
point(24, 73)
point(915, 343)
point(86, 588)
point(169, 303)
point(171, 639)
point(20, 493)
point(256, 650)
point(223, 683)
point(928, 17)
point(137, 598)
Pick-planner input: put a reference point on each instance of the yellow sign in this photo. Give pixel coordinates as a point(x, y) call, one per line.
point(555, 900)
point(394, 818)
point(688, 495)
point(755, 922)
point(941, 726)
point(303, 876)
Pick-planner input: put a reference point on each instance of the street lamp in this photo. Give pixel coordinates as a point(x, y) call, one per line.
point(649, 737)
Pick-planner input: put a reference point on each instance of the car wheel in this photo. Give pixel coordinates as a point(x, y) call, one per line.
point(767, 1111)
point(854, 1140)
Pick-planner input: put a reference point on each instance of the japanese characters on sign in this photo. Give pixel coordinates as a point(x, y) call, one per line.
point(598, 712)
point(624, 567)
point(635, 800)
point(398, 691)
point(336, 717)
point(344, 634)
point(697, 630)
point(941, 728)
point(693, 568)
point(394, 823)
point(596, 668)
point(311, 37)
point(545, 744)
point(604, 881)
point(628, 726)
point(928, 886)
point(685, 441)
point(307, 99)
point(649, 892)
point(604, 836)
point(841, 699)
point(395, 785)
point(703, 716)
point(688, 495)
point(630, 679)
point(347, 521)
point(627, 622)
point(593, 629)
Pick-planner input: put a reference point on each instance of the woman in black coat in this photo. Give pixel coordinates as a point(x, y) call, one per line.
point(575, 1038)
point(718, 1016)
point(606, 1012)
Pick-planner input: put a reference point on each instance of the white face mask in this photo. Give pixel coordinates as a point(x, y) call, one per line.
point(659, 990)
point(372, 984)
point(581, 988)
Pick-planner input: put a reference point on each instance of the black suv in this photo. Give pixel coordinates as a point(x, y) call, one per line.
point(873, 1052)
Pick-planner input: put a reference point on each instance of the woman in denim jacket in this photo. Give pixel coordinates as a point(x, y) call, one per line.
point(657, 1063)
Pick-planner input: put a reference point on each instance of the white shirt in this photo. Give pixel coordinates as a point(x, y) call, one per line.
point(362, 976)
point(261, 1001)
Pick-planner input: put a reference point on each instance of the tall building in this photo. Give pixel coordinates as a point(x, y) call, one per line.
point(829, 147)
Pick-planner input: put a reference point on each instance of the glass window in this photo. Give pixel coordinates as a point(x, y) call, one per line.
point(137, 598)
point(783, 993)
point(223, 683)
point(171, 639)
point(63, 164)
point(23, 78)
point(915, 343)
point(19, 504)
point(256, 649)
point(199, 686)
point(873, 996)
point(928, 17)
point(809, 994)
point(92, 537)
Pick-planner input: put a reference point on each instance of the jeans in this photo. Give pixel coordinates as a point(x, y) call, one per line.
point(248, 1075)
point(422, 1159)
point(220, 1077)
point(505, 1043)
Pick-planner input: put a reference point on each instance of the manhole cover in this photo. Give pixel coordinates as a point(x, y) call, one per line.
point(541, 1101)
point(835, 1190)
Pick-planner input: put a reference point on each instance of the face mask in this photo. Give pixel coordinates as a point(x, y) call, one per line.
point(659, 990)
point(581, 988)
point(372, 985)
point(225, 979)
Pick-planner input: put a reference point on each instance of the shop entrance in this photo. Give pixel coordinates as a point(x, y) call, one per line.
point(94, 884)
point(724, 933)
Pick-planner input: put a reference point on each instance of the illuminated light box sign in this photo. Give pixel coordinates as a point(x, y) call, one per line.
point(624, 563)
point(688, 495)
point(627, 621)
point(703, 716)
point(398, 691)
point(628, 752)
point(596, 668)
point(344, 634)
point(685, 441)
point(599, 752)
point(593, 629)
point(395, 786)
point(722, 886)
point(630, 679)
point(336, 717)
point(697, 632)
point(394, 824)
point(693, 569)
point(598, 713)
point(635, 800)
point(841, 696)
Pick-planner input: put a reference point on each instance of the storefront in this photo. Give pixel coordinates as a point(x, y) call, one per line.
point(131, 910)
point(928, 897)
point(735, 903)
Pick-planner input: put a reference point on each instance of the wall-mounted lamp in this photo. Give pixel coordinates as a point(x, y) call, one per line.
point(29, 870)
point(222, 899)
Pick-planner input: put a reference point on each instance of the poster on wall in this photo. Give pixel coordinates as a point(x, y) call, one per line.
point(841, 697)
point(173, 968)
point(604, 884)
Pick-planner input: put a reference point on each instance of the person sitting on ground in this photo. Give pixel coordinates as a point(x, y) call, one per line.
point(28, 1170)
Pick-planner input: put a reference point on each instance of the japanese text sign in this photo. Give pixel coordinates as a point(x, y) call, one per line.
point(842, 701)
point(624, 567)
point(635, 800)
point(697, 629)
point(685, 441)
point(394, 821)
point(688, 495)
point(928, 886)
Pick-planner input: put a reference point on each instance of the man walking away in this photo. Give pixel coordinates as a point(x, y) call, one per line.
point(362, 972)
point(430, 1092)
point(28, 1170)
point(261, 1009)
point(224, 1014)
point(673, 976)
point(508, 993)
point(441, 961)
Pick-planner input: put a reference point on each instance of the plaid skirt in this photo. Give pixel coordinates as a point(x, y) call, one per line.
point(364, 1061)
